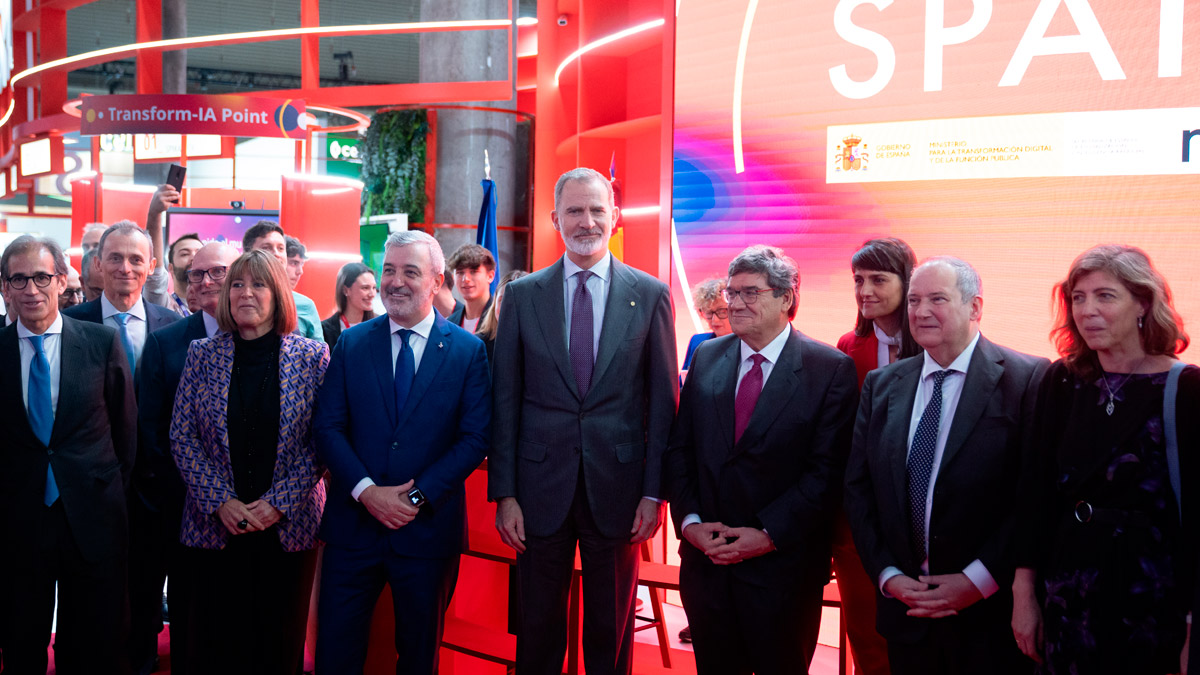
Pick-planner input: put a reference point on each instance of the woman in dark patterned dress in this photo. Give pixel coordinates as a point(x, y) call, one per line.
point(1107, 569)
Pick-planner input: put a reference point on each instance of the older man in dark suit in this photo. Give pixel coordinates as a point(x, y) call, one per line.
point(939, 445)
point(64, 470)
point(755, 465)
point(586, 381)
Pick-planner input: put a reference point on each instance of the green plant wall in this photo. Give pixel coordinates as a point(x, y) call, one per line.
point(393, 168)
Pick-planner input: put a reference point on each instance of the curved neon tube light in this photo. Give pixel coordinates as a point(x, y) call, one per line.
point(640, 210)
point(677, 257)
point(607, 39)
point(12, 104)
point(110, 53)
point(739, 163)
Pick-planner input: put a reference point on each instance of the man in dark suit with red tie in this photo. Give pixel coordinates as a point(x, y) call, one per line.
point(755, 469)
point(585, 386)
point(67, 457)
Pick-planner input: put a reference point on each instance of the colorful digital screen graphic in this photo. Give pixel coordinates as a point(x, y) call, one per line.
point(1014, 135)
point(225, 225)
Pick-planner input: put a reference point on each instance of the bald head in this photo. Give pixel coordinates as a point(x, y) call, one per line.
point(214, 257)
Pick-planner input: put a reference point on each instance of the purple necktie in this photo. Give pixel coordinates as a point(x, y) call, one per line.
point(747, 397)
point(582, 358)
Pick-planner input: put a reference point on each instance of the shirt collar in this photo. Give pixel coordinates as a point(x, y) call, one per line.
point(211, 327)
point(883, 337)
point(600, 269)
point(423, 327)
point(107, 309)
point(773, 349)
point(55, 327)
point(958, 365)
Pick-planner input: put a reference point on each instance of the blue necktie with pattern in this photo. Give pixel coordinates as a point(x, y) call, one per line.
point(920, 462)
point(406, 367)
point(39, 407)
point(123, 321)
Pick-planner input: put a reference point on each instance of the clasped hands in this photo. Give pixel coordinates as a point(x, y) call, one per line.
point(510, 522)
point(933, 597)
point(258, 516)
point(728, 545)
point(390, 504)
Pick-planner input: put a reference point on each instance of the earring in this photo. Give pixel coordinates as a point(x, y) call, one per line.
point(1139, 323)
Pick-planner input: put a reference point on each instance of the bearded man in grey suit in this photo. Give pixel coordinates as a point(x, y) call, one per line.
point(585, 387)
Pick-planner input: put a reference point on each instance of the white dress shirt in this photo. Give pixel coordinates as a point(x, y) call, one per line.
point(771, 353)
point(882, 356)
point(137, 326)
point(211, 327)
point(598, 285)
point(417, 342)
point(52, 346)
point(952, 388)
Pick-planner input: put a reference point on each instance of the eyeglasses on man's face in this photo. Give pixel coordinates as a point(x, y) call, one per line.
point(72, 292)
point(748, 295)
point(215, 273)
point(20, 281)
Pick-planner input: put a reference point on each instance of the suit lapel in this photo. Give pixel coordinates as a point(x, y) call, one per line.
point(776, 392)
point(70, 364)
point(195, 329)
point(724, 384)
point(901, 398)
point(379, 341)
point(220, 375)
point(547, 306)
point(432, 358)
point(10, 363)
point(619, 312)
point(983, 373)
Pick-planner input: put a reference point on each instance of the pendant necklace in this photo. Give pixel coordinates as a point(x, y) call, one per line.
point(1112, 393)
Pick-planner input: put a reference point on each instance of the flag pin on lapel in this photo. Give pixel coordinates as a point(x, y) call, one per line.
point(632, 303)
point(439, 345)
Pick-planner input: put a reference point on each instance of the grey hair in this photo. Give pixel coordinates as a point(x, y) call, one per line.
point(85, 265)
point(705, 293)
point(437, 259)
point(781, 271)
point(26, 243)
point(966, 277)
point(94, 227)
point(126, 227)
point(583, 175)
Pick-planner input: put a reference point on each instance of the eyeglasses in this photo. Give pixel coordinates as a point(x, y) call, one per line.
point(215, 273)
point(722, 313)
point(20, 281)
point(72, 292)
point(748, 295)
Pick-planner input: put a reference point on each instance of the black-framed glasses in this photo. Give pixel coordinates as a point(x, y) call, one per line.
point(72, 292)
point(722, 313)
point(215, 273)
point(748, 295)
point(20, 281)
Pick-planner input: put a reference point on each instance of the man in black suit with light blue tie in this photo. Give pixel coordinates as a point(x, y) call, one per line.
point(586, 380)
point(126, 258)
point(65, 466)
point(939, 444)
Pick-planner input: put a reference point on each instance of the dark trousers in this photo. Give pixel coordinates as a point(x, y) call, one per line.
point(92, 619)
point(351, 581)
point(858, 592)
point(248, 607)
point(954, 647)
point(610, 570)
point(740, 627)
point(154, 553)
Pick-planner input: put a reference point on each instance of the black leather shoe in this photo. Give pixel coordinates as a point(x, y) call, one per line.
point(685, 635)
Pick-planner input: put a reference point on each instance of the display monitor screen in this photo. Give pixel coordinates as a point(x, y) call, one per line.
point(226, 225)
point(1014, 135)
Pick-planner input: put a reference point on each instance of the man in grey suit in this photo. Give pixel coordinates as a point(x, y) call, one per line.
point(755, 471)
point(585, 386)
point(931, 485)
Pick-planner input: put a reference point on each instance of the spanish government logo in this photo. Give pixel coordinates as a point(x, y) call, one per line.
point(851, 155)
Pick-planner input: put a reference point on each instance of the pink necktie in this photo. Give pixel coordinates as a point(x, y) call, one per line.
point(747, 397)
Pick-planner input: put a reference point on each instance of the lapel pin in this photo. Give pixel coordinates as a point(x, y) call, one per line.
point(632, 303)
point(439, 345)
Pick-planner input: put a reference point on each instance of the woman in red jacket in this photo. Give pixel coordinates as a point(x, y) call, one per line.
point(882, 268)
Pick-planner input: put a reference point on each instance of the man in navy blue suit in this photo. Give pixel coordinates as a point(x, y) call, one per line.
point(156, 480)
point(403, 417)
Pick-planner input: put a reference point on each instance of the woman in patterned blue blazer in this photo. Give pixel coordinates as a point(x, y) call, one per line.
point(241, 437)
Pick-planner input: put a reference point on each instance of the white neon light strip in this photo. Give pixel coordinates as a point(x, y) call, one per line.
point(8, 113)
point(211, 40)
point(683, 282)
point(607, 39)
point(640, 210)
point(739, 164)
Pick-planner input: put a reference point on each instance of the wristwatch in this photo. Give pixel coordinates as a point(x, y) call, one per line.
point(416, 497)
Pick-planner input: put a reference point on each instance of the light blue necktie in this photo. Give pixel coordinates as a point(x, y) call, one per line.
point(123, 320)
point(39, 408)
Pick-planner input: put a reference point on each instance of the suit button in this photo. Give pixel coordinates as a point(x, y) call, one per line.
point(395, 445)
point(576, 450)
point(582, 415)
point(49, 451)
